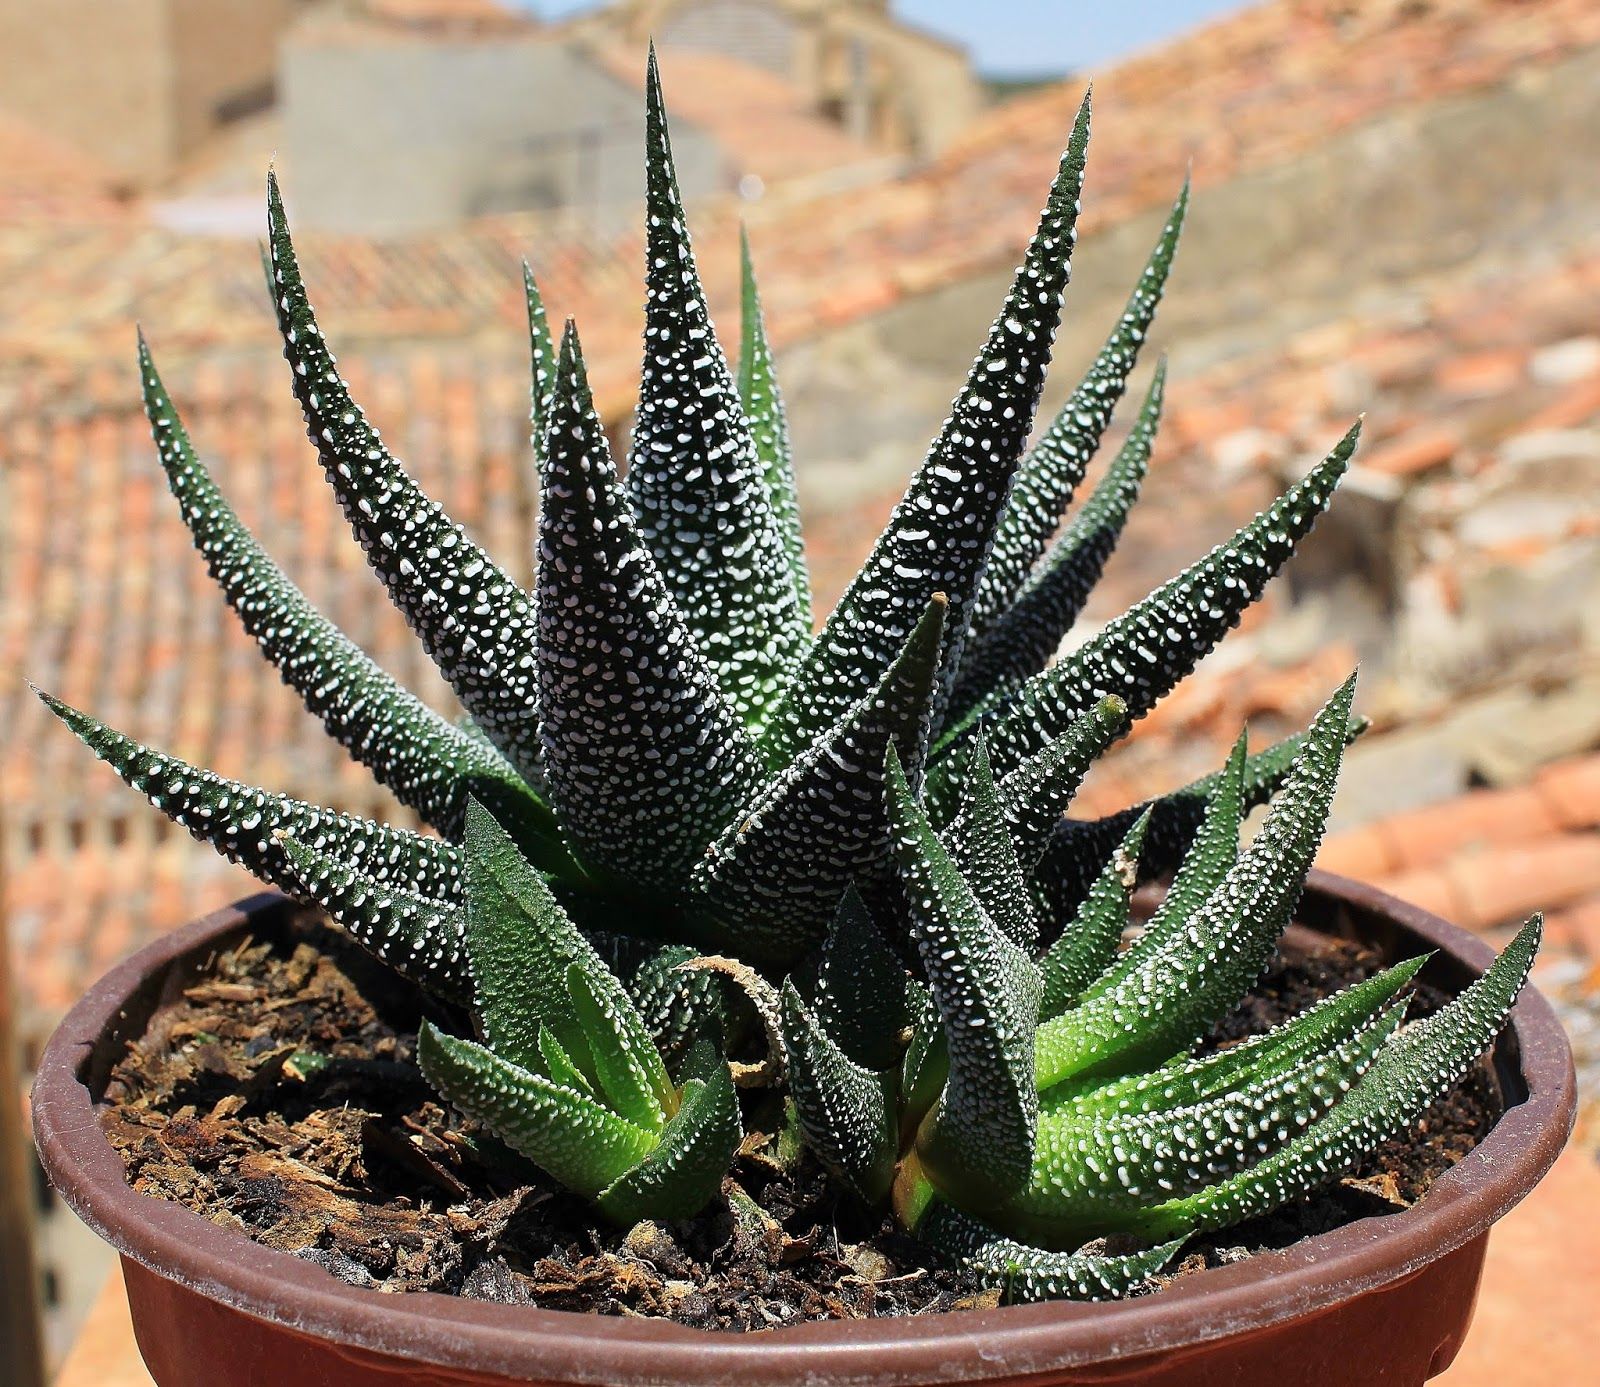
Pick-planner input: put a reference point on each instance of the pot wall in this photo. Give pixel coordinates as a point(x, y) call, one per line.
point(1405, 1333)
point(1381, 1300)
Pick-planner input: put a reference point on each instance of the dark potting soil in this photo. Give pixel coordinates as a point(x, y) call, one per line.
point(277, 1094)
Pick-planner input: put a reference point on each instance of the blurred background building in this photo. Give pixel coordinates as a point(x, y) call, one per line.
point(1395, 212)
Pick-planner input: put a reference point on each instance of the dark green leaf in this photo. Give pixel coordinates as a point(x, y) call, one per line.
point(939, 536)
point(861, 993)
point(245, 824)
point(542, 356)
point(846, 1112)
point(1141, 654)
point(645, 760)
point(697, 486)
point(778, 872)
point(1038, 791)
point(1053, 469)
point(1078, 848)
point(769, 425)
point(978, 1143)
point(418, 936)
point(1021, 640)
point(473, 619)
point(1089, 944)
point(980, 842)
point(428, 763)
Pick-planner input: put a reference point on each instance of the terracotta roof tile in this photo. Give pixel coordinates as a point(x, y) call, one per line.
point(1279, 74)
point(44, 179)
point(1570, 791)
point(1428, 445)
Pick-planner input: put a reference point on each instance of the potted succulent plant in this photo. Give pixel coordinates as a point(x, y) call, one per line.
point(703, 883)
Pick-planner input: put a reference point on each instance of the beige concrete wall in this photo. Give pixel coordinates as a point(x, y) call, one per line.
point(137, 83)
point(484, 126)
point(225, 56)
point(94, 73)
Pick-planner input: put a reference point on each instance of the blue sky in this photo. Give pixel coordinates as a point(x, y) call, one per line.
point(1032, 36)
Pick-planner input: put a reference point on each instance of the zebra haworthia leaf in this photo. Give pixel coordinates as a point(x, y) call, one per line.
point(1078, 848)
point(422, 937)
point(644, 759)
point(244, 824)
point(1213, 852)
point(1089, 944)
point(981, 843)
point(769, 425)
point(1087, 1181)
point(1141, 654)
point(697, 486)
point(979, 1139)
point(1170, 999)
point(1036, 794)
point(1023, 639)
point(685, 1169)
point(1027, 1273)
point(1305, 1039)
point(783, 865)
point(568, 1133)
point(523, 948)
point(1411, 1071)
point(863, 997)
point(1053, 469)
point(939, 536)
point(473, 619)
point(430, 765)
point(845, 1110)
point(542, 360)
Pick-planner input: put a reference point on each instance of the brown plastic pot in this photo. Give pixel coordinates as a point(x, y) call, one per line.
point(1381, 1300)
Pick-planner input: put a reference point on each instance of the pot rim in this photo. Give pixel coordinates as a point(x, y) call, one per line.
point(563, 1347)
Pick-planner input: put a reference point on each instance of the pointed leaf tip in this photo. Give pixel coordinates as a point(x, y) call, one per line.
point(644, 757)
point(940, 534)
point(475, 621)
point(694, 459)
point(1146, 651)
point(425, 760)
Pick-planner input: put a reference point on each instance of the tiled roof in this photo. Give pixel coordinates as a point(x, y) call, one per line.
point(1247, 92)
point(107, 606)
point(44, 180)
point(1493, 855)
